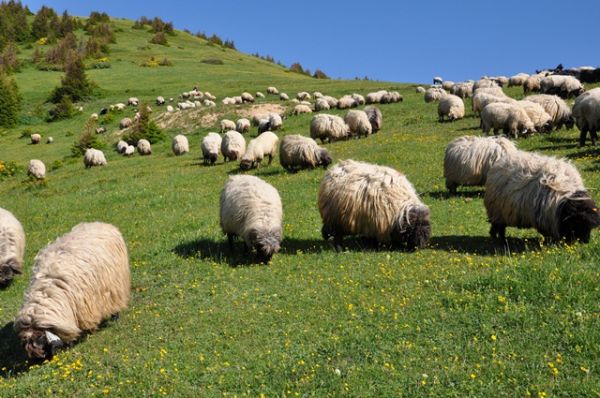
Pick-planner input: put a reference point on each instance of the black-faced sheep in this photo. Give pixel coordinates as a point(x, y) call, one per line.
point(297, 152)
point(527, 190)
point(374, 202)
point(211, 146)
point(180, 145)
point(251, 209)
point(94, 157)
point(263, 145)
point(12, 247)
point(375, 117)
point(233, 145)
point(247, 97)
point(78, 281)
point(328, 127)
point(121, 146)
point(451, 107)
point(586, 112)
point(284, 97)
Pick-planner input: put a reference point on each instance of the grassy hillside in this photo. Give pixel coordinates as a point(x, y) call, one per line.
point(466, 316)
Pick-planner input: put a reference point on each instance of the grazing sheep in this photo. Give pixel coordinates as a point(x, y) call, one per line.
point(160, 100)
point(542, 122)
point(532, 84)
point(346, 102)
point(468, 159)
point(482, 99)
point(358, 123)
point(133, 101)
point(297, 152)
point(375, 117)
point(333, 102)
point(434, 94)
point(118, 107)
point(375, 97)
point(317, 94)
point(170, 109)
point(300, 109)
point(12, 247)
point(556, 107)
point(129, 151)
point(528, 190)
point(228, 101)
point(264, 125)
point(233, 146)
point(78, 281)
point(275, 121)
point(483, 83)
point(447, 85)
point(375, 202)
point(144, 148)
point(563, 86)
point(251, 209)
point(263, 145)
point(501, 80)
point(511, 118)
point(94, 116)
point(518, 79)
point(180, 145)
point(284, 97)
point(36, 169)
point(208, 103)
point(125, 123)
point(451, 107)
point(586, 112)
point(437, 80)
point(259, 95)
point(227, 125)
point(321, 104)
point(238, 100)
point(35, 139)
point(209, 96)
point(360, 100)
point(121, 146)
point(247, 97)
point(272, 90)
point(242, 126)
point(94, 157)
point(420, 90)
point(100, 130)
point(303, 96)
point(462, 90)
point(211, 147)
point(328, 127)
point(49, 140)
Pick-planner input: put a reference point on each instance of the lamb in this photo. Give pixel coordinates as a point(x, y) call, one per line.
point(251, 209)
point(233, 146)
point(531, 84)
point(321, 105)
point(375, 202)
point(12, 247)
point(284, 97)
point(300, 109)
point(94, 157)
point(36, 169)
point(468, 159)
point(263, 145)
point(420, 90)
point(121, 146)
point(78, 281)
point(358, 123)
point(247, 97)
point(563, 86)
point(556, 107)
point(227, 125)
point(35, 139)
point(511, 118)
point(518, 79)
point(528, 190)
point(297, 152)
point(272, 90)
point(586, 112)
point(303, 96)
point(125, 123)
point(451, 107)
point(375, 117)
point(542, 122)
point(434, 94)
point(130, 150)
point(180, 145)
point(242, 126)
point(211, 146)
point(328, 127)
point(144, 148)
point(346, 102)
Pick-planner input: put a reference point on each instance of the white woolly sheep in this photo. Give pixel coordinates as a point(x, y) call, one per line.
point(321, 104)
point(451, 107)
point(78, 281)
point(94, 157)
point(528, 190)
point(170, 109)
point(346, 102)
point(375, 117)
point(238, 100)
point(301, 109)
point(180, 145)
point(242, 126)
point(511, 118)
point(542, 121)
point(12, 247)
point(482, 99)
point(328, 127)
point(563, 86)
point(501, 80)
point(483, 83)
point(125, 123)
point(94, 116)
point(420, 90)
point(211, 147)
point(259, 95)
point(208, 103)
point(264, 125)
point(36, 169)
point(434, 94)
point(263, 145)
point(272, 90)
point(468, 159)
point(160, 100)
point(144, 148)
point(233, 146)
point(586, 112)
point(297, 152)
point(133, 101)
point(303, 96)
point(462, 90)
point(556, 107)
point(532, 84)
point(247, 97)
point(35, 138)
point(359, 99)
point(121, 146)
point(518, 79)
point(251, 209)
point(129, 151)
point(358, 123)
point(227, 125)
point(284, 97)
point(118, 107)
point(371, 201)
point(49, 140)
point(447, 85)
point(228, 101)
point(209, 96)
point(333, 102)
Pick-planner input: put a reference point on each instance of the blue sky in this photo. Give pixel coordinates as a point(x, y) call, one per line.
point(394, 40)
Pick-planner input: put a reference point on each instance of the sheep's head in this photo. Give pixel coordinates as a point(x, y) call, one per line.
point(325, 158)
point(414, 231)
point(40, 344)
point(212, 157)
point(546, 127)
point(570, 122)
point(266, 243)
point(7, 272)
point(578, 215)
point(246, 164)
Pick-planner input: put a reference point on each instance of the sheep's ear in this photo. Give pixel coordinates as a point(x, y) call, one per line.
point(54, 342)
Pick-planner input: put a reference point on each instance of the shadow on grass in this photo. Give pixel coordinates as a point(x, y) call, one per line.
point(483, 245)
point(459, 194)
point(590, 152)
point(13, 359)
point(264, 170)
point(555, 147)
point(469, 128)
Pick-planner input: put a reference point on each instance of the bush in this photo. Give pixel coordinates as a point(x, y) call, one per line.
point(8, 59)
point(87, 139)
point(159, 38)
point(10, 101)
point(319, 74)
point(212, 61)
point(144, 128)
point(62, 110)
point(165, 62)
point(9, 169)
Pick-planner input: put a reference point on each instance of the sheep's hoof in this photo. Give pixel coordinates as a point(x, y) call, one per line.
point(115, 317)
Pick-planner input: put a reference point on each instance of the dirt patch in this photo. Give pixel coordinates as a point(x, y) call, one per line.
point(260, 109)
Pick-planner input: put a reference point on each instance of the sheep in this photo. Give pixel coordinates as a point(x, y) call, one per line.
point(532, 84)
point(586, 112)
point(328, 127)
point(129, 151)
point(160, 100)
point(297, 152)
point(284, 97)
point(333, 102)
point(420, 90)
point(275, 121)
point(259, 95)
point(451, 107)
point(12, 247)
point(542, 122)
point(133, 101)
point(518, 79)
point(118, 107)
point(211, 146)
point(208, 103)
point(247, 97)
point(35, 139)
point(228, 101)
point(447, 85)
point(563, 86)
point(483, 83)
point(303, 96)
point(36, 169)
point(556, 107)
point(358, 123)
point(94, 116)
point(375, 117)
point(78, 281)
point(238, 100)
point(121, 146)
point(272, 90)
point(360, 100)
point(396, 96)
point(263, 145)
point(100, 130)
point(242, 126)
point(462, 90)
point(264, 125)
point(125, 123)
point(509, 117)
point(209, 96)
point(321, 105)
point(49, 140)
point(180, 145)
point(227, 125)
point(434, 94)
point(501, 80)
point(372, 201)
point(300, 109)
point(144, 148)
point(482, 99)
point(437, 80)
point(251, 209)
point(375, 97)
point(528, 190)
point(346, 102)
point(170, 109)
point(233, 146)
point(468, 159)
point(94, 157)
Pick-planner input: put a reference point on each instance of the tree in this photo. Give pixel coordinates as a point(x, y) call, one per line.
point(144, 128)
point(39, 26)
point(10, 101)
point(319, 74)
point(75, 83)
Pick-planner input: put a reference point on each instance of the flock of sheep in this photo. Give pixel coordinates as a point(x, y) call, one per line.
point(83, 277)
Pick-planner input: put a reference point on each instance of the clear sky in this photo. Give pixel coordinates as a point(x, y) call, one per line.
point(395, 40)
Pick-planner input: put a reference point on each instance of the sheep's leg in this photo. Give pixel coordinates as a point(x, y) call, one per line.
point(498, 231)
point(594, 137)
point(582, 137)
point(230, 240)
point(451, 188)
point(337, 242)
point(270, 159)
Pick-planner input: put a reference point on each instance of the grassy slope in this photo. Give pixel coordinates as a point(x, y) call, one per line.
point(461, 318)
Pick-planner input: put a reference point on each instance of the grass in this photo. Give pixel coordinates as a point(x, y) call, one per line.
point(464, 317)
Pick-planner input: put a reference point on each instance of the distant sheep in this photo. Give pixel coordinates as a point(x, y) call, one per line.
point(333, 102)
point(586, 112)
point(78, 281)
point(208, 103)
point(532, 84)
point(511, 118)
point(263, 145)
point(275, 121)
point(130, 150)
point(94, 157)
point(482, 99)
point(233, 145)
point(420, 90)
point(125, 123)
point(301, 109)
point(468, 159)
point(501, 80)
point(133, 101)
point(12, 247)
point(527, 190)
point(297, 152)
point(100, 130)
point(160, 100)
point(437, 80)
point(272, 90)
point(251, 209)
point(328, 127)
point(375, 117)
point(36, 169)
point(49, 140)
point(259, 95)
point(247, 97)
point(451, 107)
point(144, 148)
point(371, 201)
point(563, 86)
point(518, 79)
point(211, 147)
point(462, 90)
point(358, 123)
point(346, 102)
point(556, 107)
point(542, 122)
point(35, 138)
point(180, 145)
point(321, 104)
point(483, 83)
point(121, 146)
point(434, 94)
point(227, 125)
point(447, 85)
point(303, 96)
point(360, 100)
point(170, 109)
point(284, 97)
point(242, 126)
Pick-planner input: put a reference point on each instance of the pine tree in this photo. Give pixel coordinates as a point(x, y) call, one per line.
point(10, 101)
point(75, 83)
